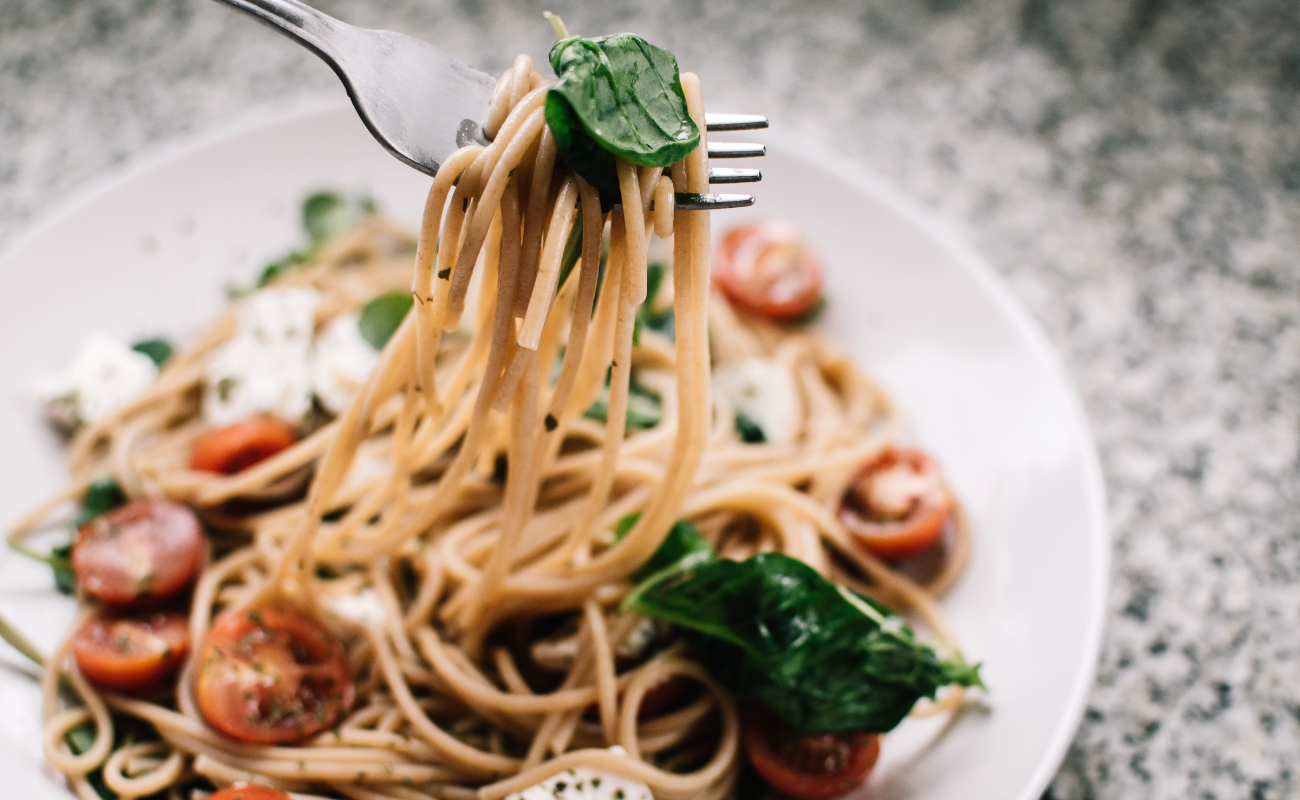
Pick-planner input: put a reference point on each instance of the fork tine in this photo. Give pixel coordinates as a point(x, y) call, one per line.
point(687, 201)
point(736, 150)
point(725, 175)
point(690, 201)
point(734, 122)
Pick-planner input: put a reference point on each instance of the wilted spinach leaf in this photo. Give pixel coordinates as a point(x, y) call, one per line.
point(158, 350)
point(381, 317)
point(617, 96)
point(821, 657)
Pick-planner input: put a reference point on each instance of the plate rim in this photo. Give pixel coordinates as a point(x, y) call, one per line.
point(837, 164)
point(930, 223)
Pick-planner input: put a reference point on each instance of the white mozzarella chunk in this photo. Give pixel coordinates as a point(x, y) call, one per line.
point(105, 374)
point(264, 368)
point(583, 783)
point(762, 390)
point(341, 361)
point(363, 607)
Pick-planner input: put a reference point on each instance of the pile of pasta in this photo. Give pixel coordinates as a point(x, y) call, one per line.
point(466, 490)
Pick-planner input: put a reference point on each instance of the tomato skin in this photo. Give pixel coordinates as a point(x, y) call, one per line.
point(765, 268)
point(249, 793)
point(807, 766)
point(145, 550)
point(239, 446)
point(912, 525)
point(131, 654)
point(272, 675)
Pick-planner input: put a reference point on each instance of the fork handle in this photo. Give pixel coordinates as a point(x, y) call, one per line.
point(312, 29)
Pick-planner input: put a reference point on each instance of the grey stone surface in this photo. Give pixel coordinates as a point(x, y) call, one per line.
point(1131, 166)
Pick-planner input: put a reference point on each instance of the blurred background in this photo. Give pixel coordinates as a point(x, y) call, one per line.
point(1131, 167)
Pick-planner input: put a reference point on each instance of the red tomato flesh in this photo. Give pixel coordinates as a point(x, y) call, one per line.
point(249, 793)
point(146, 550)
point(131, 654)
point(237, 447)
point(764, 268)
point(807, 766)
point(898, 505)
point(272, 676)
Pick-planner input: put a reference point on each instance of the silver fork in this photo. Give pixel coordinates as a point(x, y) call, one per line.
point(422, 104)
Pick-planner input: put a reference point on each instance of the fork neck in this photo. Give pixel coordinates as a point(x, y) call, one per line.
point(299, 21)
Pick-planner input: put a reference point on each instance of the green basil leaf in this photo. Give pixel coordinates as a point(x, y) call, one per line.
point(382, 316)
point(326, 215)
point(65, 580)
point(617, 96)
point(821, 657)
point(158, 350)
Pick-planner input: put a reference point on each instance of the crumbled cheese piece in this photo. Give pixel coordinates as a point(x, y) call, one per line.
point(762, 390)
point(104, 375)
point(363, 607)
point(264, 367)
point(341, 361)
point(583, 783)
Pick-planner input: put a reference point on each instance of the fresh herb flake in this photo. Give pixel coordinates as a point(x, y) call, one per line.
point(749, 431)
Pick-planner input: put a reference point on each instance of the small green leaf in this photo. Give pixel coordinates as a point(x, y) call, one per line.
point(625, 524)
point(158, 350)
point(102, 496)
point(749, 431)
point(382, 316)
point(65, 580)
point(326, 215)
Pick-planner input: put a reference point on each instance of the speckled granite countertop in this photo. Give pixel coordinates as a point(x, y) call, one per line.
point(1132, 167)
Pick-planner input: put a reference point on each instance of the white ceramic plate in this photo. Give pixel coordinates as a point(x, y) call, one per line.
point(150, 250)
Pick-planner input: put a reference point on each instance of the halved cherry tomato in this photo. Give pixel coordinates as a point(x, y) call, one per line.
point(807, 766)
point(241, 445)
point(131, 654)
point(146, 550)
point(272, 676)
point(766, 269)
point(898, 505)
point(249, 793)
